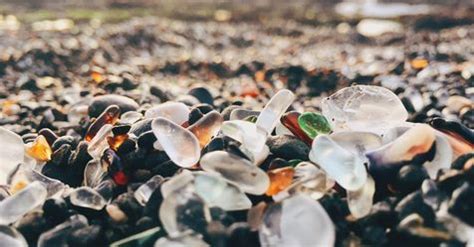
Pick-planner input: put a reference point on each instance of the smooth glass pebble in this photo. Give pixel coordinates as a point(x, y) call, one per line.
point(313, 124)
point(94, 173)
point(11, 153)
point(15, 206)
point(99, 143)
point(143, 193)
point(39, 149)
point(58, 236)
point(358, 142)
point(246, 133)
point(10, 237)
point(416, 140)
point(130, 117)
point(181, 241)
point(365, 108)
point(179, 143)
point(360, 201)
point(248, 177)
point(217, 192)
point(109, 116)
point(176, 182)
point(282, 130)
point(77, 112)
point(308, 180)
point(290, 121)
point(24, 176)
point(297, 221)
point(183, 210)
point(176, 112)
point(106, 189)
point(145, 238)
point(443, 157)
point(86, 197)
point(242, 114)
point(274, 109)
point(207, 127)
point(114, 166)
point(340, 164)
point(280, 179)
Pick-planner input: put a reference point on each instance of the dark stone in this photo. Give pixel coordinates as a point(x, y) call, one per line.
point(120, 129)
point(165, 169)
point(462, 160)
point(31, 226)
point(129, 205)
point(127, 146)
point(160, 93)
point(146, 140)
point(226, 112)
point(194, 116)
point(216, 144)
point(462, 203)
point(49, 135)
point(64, 140)
point(153, 204)
point(56, 210)
point(141, 127)
point(288, 147)
point(99, 103)
point(413, 203)
point(202, 94)
point(61, 155)
point(87, 236)
point(240, 234)
point(204, 108)
point(155, 158)
point(410, 178)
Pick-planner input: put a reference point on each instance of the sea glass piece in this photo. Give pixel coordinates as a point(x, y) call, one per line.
point(242, 114)
point(248, 177)
point(217, 192)
point(358, 142)
point(282, 130)
point(94, 173)
point(360, 201)
point(207, 127)
point(416, 140)
point(184, 210)
point(109, 116)
point(340, 164)
point(39, 149)
point(111, 162)
point(58, 236)
point(443, 157)
point(246, 133)
point(179, 143)
point(17, 205)
point(106, 189)
point(116, 140)
point(313, 124)
point(280, 179)
point(297, 221)
point(99, 143)
point(24, 176)
point(143, 193)
point(176, 112)
point(274, 109)
point(86, 197)
point(290, 121)
point(365, 108)
point(308, 180)
point(10, 237)
point(176, 182)
point(130, 117)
